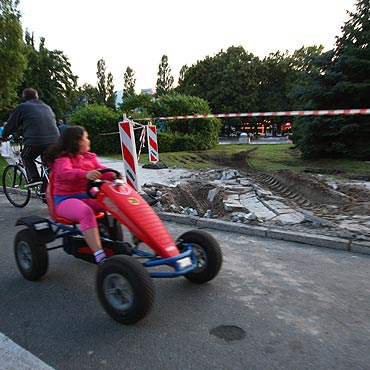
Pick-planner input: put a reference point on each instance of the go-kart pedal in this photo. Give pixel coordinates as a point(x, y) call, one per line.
point(76, 245)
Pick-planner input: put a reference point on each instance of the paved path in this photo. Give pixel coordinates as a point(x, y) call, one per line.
point(14, 357)
point(293, 306)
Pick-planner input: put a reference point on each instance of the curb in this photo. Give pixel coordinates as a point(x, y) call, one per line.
point(344, 244)
point(14, 357)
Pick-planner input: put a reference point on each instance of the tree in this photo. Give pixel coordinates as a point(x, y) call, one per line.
point(50, 73)
point(106, 95)
point(129, 83)
point(352, 58)
point(229, 81)
point(102, 81)
point(91, 92)
point(165, 79)
point(136, 103)
point(274, 85)
point(283, 75)
point(343, 82)
point(182, 74)
point(306, 62)
point(111, 94)
point(13, 61)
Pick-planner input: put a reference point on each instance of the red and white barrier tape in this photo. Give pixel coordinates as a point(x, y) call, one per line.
point(327, 112)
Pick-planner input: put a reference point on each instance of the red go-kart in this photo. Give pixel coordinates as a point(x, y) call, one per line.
point(124, 280)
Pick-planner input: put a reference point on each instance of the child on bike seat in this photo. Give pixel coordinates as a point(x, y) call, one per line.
point(72, 166)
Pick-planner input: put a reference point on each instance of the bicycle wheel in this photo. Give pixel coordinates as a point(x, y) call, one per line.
point(14, 186)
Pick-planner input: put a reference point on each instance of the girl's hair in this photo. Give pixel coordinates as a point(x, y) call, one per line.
point(67, 144)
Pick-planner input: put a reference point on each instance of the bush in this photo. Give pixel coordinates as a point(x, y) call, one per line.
point(101, 123)
point(171, 143)
point(333, 137)
point(189, 134)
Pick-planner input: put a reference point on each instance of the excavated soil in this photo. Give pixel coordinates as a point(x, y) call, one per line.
point(328, 198)
point(194, 196)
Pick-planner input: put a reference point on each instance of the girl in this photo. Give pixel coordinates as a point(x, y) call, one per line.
point(73, 166)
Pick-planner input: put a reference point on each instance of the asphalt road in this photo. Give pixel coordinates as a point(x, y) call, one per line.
point(274, 305)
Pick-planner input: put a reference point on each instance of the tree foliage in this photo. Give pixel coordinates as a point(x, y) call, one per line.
point(136, 103)
point(165, 79)
point(91, 92)
point(343, 82)
point(182, 73)
point(13, 61)
point(129, 83)
point(50, 73)
point(105, 90)
point(283, 75)
point(192, 134)
point(101, 122)
point(228, 81)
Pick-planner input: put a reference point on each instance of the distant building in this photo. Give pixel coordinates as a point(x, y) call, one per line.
point(119, 99)
point(148, 91)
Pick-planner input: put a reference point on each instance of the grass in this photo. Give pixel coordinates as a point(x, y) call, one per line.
point(266, 157)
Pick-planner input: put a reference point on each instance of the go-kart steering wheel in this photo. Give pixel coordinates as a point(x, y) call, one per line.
point(97, 183)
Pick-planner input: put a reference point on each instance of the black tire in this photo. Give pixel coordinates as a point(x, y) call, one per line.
point(31, 257)
point(14, 186)
point(110, 228)
point(208, 252)
point(125, 289)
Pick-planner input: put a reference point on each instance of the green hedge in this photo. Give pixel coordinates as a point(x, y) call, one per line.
point(180, 135)
point(102, 125)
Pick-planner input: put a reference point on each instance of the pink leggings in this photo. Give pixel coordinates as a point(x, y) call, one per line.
point(81, 211)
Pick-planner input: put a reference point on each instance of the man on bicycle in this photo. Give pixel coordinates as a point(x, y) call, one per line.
point(39, 131)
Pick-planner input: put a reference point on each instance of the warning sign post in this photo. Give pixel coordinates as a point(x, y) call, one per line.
point(152, 143)
point(128, 147)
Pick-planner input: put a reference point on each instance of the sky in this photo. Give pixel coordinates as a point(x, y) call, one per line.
point(138, 33)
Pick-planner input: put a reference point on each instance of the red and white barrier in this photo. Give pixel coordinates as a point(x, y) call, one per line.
point(328, 112)
point(129, 156)
point(152, 143)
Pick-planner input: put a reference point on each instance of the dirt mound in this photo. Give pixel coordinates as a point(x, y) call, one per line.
point(194, 196)
point(335, 204)
point(313, 188)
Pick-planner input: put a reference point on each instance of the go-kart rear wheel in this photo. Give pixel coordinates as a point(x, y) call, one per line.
point(208, 253)
point(125, 289)
point(31, 257)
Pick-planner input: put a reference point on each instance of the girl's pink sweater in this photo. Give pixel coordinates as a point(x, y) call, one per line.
point(70, 173)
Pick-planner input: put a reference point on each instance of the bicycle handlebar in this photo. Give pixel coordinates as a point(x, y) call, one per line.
point(12, 139)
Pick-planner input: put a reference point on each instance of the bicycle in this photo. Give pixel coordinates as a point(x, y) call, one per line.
point(15, 179)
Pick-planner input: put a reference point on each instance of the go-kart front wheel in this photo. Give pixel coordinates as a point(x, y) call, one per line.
point(31, 257)
point(125, 289)
point(208, 253)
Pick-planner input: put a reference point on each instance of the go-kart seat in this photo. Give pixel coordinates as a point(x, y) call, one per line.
point(51, 207)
